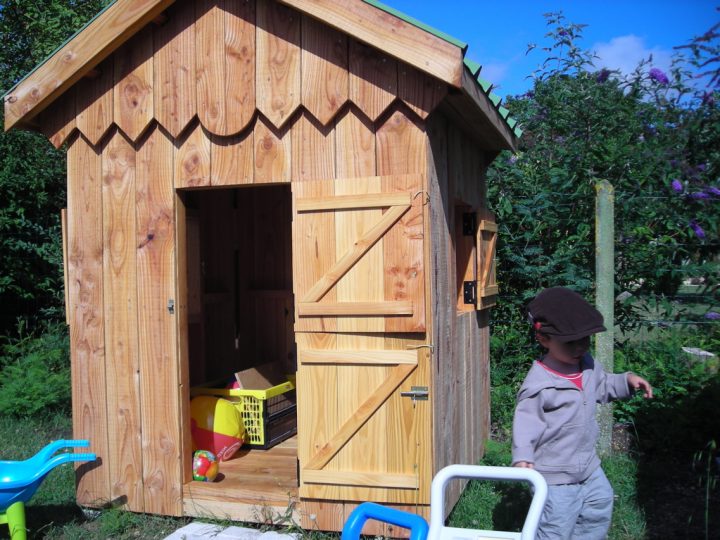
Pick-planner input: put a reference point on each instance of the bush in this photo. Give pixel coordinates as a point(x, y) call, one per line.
point(35, 373)
point(683, 416)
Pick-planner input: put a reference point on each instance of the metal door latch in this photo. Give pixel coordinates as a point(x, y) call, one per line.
point(417, 393)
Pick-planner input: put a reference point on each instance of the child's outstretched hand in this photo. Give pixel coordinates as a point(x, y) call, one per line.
point(636, 382)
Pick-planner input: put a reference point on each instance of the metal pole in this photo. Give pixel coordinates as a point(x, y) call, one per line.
point(605, 297)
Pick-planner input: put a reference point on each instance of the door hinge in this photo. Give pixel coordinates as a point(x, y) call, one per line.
point(171, 306)
point(470, 292)
point(417, 393)
point(469, 224)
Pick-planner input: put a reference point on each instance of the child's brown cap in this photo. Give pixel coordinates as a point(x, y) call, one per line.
point(564, 315)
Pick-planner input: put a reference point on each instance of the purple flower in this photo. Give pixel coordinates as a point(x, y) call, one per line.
point(677, 185)
point(701, 167)
point(658, 75)
point(697, 229)
point(673, 162)
point(712, 190)
point(699, 195)
point(512, 159)
point(713, 315)
point(602, 75)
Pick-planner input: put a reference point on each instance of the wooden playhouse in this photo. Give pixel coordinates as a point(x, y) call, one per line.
point(299, 181)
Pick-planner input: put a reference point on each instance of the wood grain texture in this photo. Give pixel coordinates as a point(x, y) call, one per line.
point(354, 309)
point(352, 424)
point(313, 149)
point(87, 327)
point(95, 103)
point(460, 364)
point(210, 65)
point(225, 45)
point(355, 200)
point(320, 515)
point(445, 321)
point(373, 79)
point(185, 284)
point(156, 286)
point(421, 92)
point(121, 322)
point(357, 248)
point(384, 31)
point(192, 159)
point(401, 149)
point(278, 60)
point(133, 92)
point(377, 480)
point(66, 290)
point(77, 57)
point(232, 159)
point(355, 143)
point(239, 50)
point(359, 357)
point(317, 390)
point(272, 152)
point(58, 123)
point(175, 94)
point(324, 69)
point(313, 251)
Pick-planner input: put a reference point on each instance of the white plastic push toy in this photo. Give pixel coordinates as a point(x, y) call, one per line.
point(419, 529)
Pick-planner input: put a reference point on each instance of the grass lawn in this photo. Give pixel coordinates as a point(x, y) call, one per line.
point(653, 499)
point(52, 512)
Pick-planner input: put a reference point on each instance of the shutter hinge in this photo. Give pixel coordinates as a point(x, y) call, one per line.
point(469, 225)
point(470, 292)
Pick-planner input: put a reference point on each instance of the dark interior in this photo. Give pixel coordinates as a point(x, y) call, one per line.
point(239, 280)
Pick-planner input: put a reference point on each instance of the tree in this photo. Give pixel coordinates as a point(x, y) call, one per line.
point(32, 172)
point(652, 136)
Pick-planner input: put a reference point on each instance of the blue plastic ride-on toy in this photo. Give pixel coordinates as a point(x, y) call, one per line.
point(19, 480)
point(419, 529)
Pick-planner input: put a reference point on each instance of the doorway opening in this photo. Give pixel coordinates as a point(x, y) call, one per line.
point(238, 275)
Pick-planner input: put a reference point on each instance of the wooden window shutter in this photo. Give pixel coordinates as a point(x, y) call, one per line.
point(487, 288)
point(358, 254)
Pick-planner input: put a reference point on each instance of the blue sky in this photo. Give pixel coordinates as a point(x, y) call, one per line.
point(620, 32)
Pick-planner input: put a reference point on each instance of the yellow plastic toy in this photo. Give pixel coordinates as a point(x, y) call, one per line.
point(217, 426)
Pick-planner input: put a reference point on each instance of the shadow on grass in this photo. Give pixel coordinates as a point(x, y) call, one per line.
point(676, 467)
point(39, 519)
point(509, 515)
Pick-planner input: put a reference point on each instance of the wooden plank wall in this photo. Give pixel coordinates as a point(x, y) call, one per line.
point(142, 136)
point(136, 334)
point(121, 259)
point(461, 411)
point(233, 64)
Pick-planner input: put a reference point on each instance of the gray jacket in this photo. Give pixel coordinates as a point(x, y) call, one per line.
point(554, 426)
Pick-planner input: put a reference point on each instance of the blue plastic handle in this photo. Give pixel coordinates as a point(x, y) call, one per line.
point(367, 510)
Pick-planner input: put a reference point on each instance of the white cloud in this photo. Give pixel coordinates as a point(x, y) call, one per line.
point(494, 72)
point(624, 53)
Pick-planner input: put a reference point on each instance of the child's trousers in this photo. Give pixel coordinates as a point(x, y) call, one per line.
point(578, 511)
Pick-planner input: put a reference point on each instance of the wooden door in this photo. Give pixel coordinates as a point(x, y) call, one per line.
point(358, 253)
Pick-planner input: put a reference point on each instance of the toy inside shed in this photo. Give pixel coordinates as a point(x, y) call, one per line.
point(296, 182)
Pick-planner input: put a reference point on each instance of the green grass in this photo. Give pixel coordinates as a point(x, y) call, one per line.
point(502, 506)
point(52, 513)
point(642, 488)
